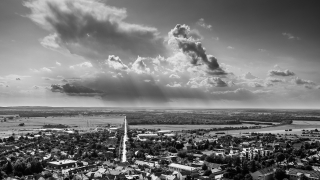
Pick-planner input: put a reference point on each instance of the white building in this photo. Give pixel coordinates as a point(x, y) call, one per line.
point(180, 167)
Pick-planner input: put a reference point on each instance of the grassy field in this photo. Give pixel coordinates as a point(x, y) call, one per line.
point(12, 126)
point(296, 126)
point(7, 128)
point(185, 127)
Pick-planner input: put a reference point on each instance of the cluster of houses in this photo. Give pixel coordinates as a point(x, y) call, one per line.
point(96, 155)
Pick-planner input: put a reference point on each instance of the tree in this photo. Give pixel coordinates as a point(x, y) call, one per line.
point(236, 161)
point(204, 167)
point(238, 177)
point(11, 139)
point(253, 166)
point(182, 154)
point(291, 159)
point(19, 167)
point(279, 174)
point(207, 173)
point(280, 157)
point(303, 177)
point(9, 168)
point(247, 177)
point(172, 149)
point(308, 167)
point(245, 169)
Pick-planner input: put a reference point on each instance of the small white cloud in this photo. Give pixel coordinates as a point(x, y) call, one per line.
point(299, 81)
point(14, 77)
point(262, 50)
point(203, 24)
point(216, 38)
point(230, 47)
point(50, 42)
point(175, 85)
point(82, 65)
point(139, 66)
point(35, 87)
point(58, 64)
point(255, 84)
point(44, 69)
point(174, 76)
point(248, 75)
point(290, 36)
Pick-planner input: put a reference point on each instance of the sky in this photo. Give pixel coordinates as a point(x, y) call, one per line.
point(170, 54)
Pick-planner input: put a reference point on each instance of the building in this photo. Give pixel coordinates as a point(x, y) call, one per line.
point(113, 129)
point(147, 136)
point(170, 135)
point(179, 167)
point(63, 164)
point(265, 174)
point(164, 131)
point(251, 153)
point(295, 174)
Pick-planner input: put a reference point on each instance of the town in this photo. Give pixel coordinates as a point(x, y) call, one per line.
point(118, 152)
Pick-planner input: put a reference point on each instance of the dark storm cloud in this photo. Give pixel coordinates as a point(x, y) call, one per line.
point(129, 87)
point(95, 30)
point(77, 90)
point(274, 72)
point(195, 50)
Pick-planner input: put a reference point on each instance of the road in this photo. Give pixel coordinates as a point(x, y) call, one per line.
point(125, 138)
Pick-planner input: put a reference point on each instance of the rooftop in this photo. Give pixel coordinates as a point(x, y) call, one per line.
point(67, 161)
point(183, 167)
point(309, 174)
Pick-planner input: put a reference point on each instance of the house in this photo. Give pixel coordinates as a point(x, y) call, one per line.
point(63, 164)
point(180, 167)
point(265, 173)
point(295, 174)
point(145, 136)
point(215, 165)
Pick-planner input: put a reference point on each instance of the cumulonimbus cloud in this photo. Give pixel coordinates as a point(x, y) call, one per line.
point(180, 36)
point(130, 62)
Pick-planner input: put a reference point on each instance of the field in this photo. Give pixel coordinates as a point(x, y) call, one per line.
point(186, 127)
point(103, 116)
point(296, 126)
point(7, 128)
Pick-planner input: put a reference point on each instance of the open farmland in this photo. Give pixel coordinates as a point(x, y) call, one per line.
point(296, 126)
point(186, 127)
point(10, 126)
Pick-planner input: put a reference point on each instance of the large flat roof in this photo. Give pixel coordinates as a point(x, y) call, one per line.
point(147, 134)
point(164, 131)
point(183, 167)
point(67, 161)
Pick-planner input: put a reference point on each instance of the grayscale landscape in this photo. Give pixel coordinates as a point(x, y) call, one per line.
point(159, 90)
